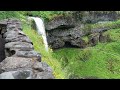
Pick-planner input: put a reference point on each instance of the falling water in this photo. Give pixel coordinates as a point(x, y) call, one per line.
point(41, 30)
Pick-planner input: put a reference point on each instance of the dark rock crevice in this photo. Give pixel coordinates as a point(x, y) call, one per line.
point(69, 45)
point(3, 26)
point(2, 48)
point(9, 52)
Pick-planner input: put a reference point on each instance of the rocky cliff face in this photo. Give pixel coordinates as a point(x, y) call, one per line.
point(66, 31)
point(95, 16)
point(20, 60)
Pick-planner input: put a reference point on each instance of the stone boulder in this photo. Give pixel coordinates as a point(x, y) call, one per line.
point(20, 74)
point(99, 30)
point(58, 37)
point(104, 38)
point(98, 37)
point(27, 54)
point(13, 63)
point(94, 39)
point(19, 45)
point(24, 68)
point(57, 43)
point(16, 35)
point(60, 22)
point(78, 43)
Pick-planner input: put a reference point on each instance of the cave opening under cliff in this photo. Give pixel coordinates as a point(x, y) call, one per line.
point(69, 45)
point(2, 46)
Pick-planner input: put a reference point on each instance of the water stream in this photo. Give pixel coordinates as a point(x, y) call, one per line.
point(41, 30)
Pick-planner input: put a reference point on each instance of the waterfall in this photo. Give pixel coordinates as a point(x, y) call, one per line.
point(40, 29)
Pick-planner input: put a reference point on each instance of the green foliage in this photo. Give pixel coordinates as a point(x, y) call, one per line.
point(47, 15)
point(46, 57)
point(86, 39)
point(110, 25)
point(10, 14)
point(114, 34)
point(101, 61)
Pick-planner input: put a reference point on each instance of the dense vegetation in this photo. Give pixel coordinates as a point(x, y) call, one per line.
point(46, 57)
point(100, 61)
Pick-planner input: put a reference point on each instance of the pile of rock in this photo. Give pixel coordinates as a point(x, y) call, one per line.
point(21, 61)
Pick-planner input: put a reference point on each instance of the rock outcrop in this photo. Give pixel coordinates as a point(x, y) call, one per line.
point(60, 22)
point(95, 16)
point(62, 32)
point(21, 61)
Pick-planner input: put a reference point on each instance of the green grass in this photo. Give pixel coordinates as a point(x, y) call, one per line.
point(109, 25)
point(102, 61)
point(86, 39)
point(46, 57)
point(11, 14)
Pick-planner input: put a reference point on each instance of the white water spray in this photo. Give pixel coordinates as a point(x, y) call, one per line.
point(40, 29)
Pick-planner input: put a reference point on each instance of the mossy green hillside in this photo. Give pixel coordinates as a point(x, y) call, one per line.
point(101, 61)
point(46, 57)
